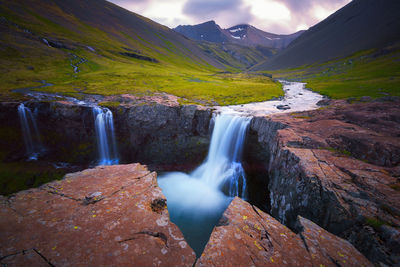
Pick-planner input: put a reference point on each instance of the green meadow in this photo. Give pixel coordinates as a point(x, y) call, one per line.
point(367, 73)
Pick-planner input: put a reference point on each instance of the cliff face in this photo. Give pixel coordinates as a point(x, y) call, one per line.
point(314, 172)
point(167, 137)
point(163, 136)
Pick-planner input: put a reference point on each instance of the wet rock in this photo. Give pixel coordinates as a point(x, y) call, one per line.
point(283, 107)
point(324, 102)
point(52, 225)
point(250, 237)
point(170, 137)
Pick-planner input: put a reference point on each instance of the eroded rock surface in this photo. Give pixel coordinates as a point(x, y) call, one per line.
point(246, 236)
point(339, 167)
point(107, 216)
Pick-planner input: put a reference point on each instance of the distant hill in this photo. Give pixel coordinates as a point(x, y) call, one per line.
point(244, 34)
point(360, 25)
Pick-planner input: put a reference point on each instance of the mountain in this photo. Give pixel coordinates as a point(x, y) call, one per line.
point(248, 35)
point(207, 31)
point(243, 34)
point(360, 25)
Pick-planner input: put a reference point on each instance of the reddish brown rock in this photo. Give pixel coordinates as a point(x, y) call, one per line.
point(327, 249)
point(247, 236)
point(339, 167)
point(107, 216)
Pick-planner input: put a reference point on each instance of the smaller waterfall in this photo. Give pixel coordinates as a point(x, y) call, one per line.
point(106, 144)
point(30, 132)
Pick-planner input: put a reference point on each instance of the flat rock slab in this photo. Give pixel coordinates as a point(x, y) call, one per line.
point(107, 216)
point(246, 236)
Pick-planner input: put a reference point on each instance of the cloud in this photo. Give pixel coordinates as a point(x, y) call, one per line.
point(209, 7)
point(225, 12)
point(276, 16)
point(288, 16)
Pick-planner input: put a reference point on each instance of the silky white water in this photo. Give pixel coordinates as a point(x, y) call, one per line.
point(30, 132)
point(197, 200)
point(106, 144)
point(297, 98)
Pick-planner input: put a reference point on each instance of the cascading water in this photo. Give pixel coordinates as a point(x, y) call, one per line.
point(106, 144)
point(197, 201)
point(30, 132)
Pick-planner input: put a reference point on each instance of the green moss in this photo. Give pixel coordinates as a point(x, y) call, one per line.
point(299, 116)
point(395, 186)
point(110, 104)
point(343, 152)
point(376, 223)
point(17, 176)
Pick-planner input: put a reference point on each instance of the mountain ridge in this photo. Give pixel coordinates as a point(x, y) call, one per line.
point(241, 34)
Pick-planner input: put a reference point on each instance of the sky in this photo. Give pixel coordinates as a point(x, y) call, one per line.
point(275, 16)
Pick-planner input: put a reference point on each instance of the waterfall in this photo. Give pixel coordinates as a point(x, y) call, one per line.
point(197, 201)
point(106, 144)
point(222, 169)
point(30, 132)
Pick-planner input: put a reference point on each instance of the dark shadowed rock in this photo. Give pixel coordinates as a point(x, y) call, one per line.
point(324, 102)
point(124, 223)
point(283, 107)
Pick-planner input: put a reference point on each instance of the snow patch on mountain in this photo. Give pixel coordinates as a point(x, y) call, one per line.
point(236, 30)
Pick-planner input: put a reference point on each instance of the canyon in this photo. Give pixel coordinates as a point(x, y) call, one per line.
point(335, 166)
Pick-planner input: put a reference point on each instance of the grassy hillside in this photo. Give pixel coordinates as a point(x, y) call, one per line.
point(235, 56)
point(374, 73)
point(114, 52)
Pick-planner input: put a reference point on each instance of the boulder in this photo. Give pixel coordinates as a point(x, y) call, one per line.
point(107, 216)
point(246, 236)
point(283, 107)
